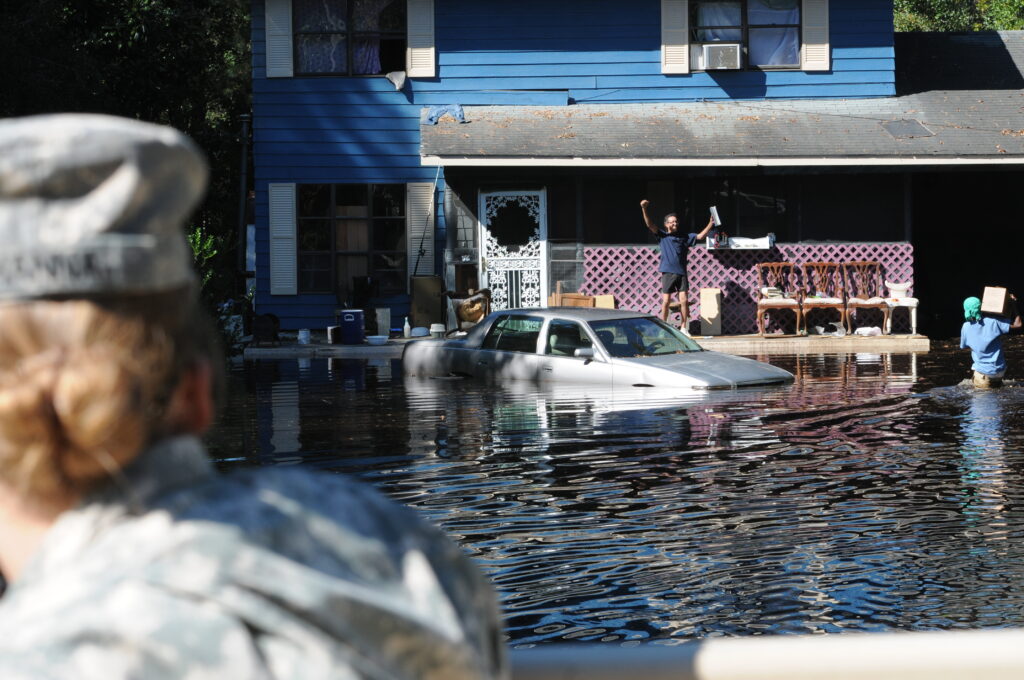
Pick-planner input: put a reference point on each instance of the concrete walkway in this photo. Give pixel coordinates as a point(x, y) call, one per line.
point(751, 345)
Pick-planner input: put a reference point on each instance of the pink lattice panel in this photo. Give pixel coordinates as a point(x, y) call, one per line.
point(630, 273)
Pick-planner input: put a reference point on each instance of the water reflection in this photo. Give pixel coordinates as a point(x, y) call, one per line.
point(855, 498)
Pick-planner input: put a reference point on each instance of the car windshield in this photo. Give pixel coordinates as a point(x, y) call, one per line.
point(641, 337)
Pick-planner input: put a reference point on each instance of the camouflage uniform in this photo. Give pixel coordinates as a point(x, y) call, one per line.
point(177, 571)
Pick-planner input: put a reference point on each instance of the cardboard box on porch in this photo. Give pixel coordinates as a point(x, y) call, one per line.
point(710, 311)
point(995, 300)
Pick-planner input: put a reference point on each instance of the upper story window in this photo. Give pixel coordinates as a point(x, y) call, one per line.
point(768, 31)
point(349, 37)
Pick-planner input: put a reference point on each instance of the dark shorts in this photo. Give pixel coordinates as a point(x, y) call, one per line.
point(674, 283)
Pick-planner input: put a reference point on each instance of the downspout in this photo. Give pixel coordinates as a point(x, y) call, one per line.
point(243, 193)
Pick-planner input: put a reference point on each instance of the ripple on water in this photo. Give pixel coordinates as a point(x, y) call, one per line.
point(863, 497)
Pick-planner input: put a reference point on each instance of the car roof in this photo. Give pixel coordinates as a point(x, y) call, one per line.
point(580, 313)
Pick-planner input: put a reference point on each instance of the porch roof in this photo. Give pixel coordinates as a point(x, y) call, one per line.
point(924, 125)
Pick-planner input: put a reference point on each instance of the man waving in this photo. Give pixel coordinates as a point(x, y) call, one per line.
point(674, 248)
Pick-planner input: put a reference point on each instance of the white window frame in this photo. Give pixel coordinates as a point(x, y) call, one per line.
point(282, 198)
point(815, 49)
point(420, 50)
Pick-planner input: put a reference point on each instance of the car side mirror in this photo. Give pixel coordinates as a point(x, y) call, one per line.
point(584, 352)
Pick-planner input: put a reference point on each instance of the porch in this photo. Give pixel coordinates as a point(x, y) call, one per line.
point(746, 345)
point(630, 274)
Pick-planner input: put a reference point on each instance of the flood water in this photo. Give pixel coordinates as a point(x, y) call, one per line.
point(873, 494)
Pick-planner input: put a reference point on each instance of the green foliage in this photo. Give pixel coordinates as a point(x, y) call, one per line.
point(179, 63)
point(1005, 15)
point(958, 15)
point(205, 247)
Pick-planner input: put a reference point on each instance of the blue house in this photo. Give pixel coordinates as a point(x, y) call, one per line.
point(508, 145)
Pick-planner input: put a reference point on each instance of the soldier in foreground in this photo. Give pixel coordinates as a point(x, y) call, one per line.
point(126, 554)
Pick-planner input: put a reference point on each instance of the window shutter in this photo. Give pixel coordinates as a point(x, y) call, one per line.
point(419, 216)
point(278, 18)
point(283, 271)
point(419, 55)
point(815, 52)
point(675, 36)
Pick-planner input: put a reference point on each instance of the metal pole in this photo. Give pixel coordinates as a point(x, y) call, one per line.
point(243, 193)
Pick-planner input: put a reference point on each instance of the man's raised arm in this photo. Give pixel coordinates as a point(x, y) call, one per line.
point(647, 218)
point(711, 223)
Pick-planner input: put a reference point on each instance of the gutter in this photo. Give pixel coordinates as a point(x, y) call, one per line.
point(748, 162)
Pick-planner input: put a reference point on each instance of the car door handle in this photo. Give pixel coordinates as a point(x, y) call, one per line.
point(547, 368)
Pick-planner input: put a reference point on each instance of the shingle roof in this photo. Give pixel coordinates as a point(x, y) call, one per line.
point(926, 125)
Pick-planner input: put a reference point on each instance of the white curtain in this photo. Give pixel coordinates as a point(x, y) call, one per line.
point(773, 46)
point(768, 46)
point(727, 13)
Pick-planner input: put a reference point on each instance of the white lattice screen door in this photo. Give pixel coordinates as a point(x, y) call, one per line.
point(514, 247)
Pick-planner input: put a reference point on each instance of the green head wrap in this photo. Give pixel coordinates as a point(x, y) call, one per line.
point(972, 309)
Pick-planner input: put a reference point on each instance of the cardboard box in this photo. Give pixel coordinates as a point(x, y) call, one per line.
point(710, 311)
point(996, 300)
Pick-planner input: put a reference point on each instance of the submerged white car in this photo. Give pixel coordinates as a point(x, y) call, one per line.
point(613, 347)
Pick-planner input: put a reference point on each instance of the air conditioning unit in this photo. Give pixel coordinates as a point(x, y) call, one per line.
point(722, 56)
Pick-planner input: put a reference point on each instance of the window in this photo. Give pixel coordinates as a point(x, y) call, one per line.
point(565, 337)
point(767, 30)
point(351, 239)
point(349, 37)
point(641, 337)
point(513, 333)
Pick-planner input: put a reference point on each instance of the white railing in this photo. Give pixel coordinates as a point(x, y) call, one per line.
point(944, 655)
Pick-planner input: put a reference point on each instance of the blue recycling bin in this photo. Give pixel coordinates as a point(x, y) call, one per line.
point(352, 327)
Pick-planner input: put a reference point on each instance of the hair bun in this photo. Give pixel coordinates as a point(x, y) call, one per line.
point(67, 420)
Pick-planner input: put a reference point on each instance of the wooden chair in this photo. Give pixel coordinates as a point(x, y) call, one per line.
point(776, 289)
point(823, 289)
point(864, 290)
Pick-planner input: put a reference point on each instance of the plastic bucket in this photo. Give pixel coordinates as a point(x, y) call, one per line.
point(352, 327)
point(303, 336)
point(437, 330)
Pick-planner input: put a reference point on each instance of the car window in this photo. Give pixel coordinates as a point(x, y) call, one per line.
point(641, 337)
point(565, 337)
point(513, 333)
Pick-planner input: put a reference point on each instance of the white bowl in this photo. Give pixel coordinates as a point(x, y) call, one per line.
point(376, 339)
point(898, 289)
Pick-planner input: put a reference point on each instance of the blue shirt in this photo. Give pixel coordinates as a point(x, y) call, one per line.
point(985, 338)
point(673, 251)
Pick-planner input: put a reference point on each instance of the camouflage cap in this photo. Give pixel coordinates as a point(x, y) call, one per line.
point(93, 205)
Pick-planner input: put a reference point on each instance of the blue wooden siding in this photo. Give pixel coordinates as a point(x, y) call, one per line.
point(609, 51)
point(529, 52)
point(325, 130)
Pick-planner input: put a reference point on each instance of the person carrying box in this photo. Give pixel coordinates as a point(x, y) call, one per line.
point(983, 334)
